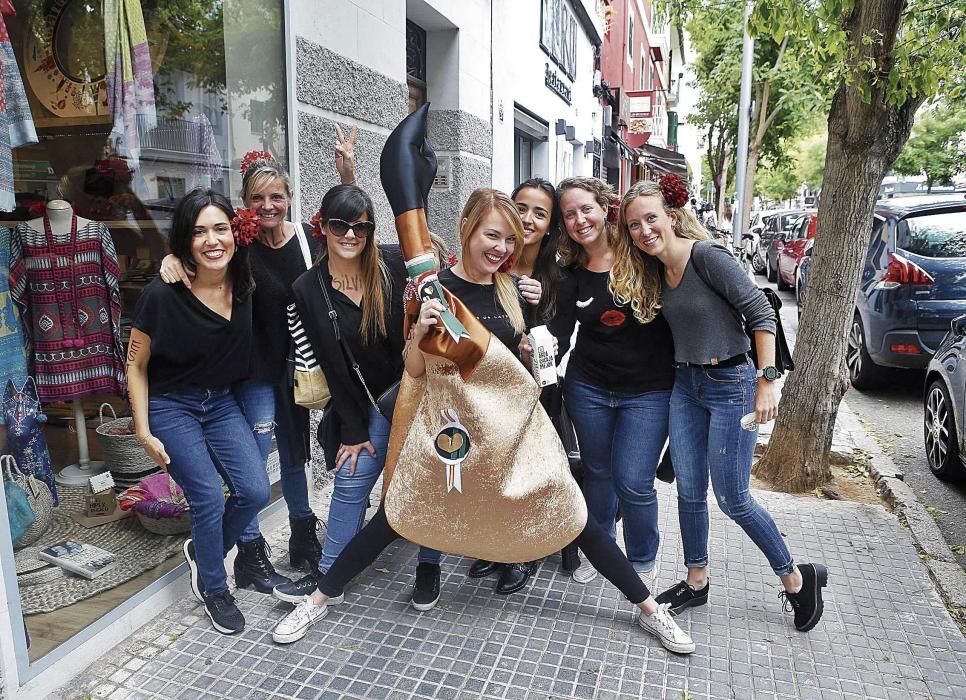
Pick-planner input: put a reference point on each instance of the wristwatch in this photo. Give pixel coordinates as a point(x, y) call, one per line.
point(769, 373)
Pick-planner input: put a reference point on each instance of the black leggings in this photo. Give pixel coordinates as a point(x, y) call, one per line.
point(600, 549)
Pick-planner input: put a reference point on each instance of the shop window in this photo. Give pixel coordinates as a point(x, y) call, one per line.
point(218, 83)
point(522, 158)
point(416, 65)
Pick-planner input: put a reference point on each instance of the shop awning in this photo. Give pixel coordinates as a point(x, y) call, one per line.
point(663, 160)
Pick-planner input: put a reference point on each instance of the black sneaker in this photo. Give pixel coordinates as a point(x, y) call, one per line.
point(295, 591)
point(189, 554)
point(223, 613)
point(807, 603)
point(426, 590)
point(681, 596)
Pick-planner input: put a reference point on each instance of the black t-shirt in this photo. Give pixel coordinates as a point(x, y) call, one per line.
point(274, 271)
point(481, 299)
point(191, 345)
point(613, 350)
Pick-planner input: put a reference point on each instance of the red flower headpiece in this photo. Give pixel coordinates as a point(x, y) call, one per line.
point(316, 222)
point(674, 190)
point(253, 157)
point(451, 258)
point(507, 264)
point(613, 210)
point(245, 226)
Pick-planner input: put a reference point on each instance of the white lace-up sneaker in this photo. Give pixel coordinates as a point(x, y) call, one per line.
point(293, 626)
point(663, 626)
point(585, 573)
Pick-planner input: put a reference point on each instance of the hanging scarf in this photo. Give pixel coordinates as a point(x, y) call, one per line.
point(16, 124)
point(130, 85)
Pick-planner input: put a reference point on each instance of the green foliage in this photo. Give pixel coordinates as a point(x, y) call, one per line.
point(809, 158)
point(925, 56)
point(777, 184)
point(937, 146)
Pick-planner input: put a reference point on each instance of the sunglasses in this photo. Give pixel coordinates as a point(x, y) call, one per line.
point(362, 229)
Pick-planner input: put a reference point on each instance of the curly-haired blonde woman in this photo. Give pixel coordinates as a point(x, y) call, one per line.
point(706, 298)
point(619, 377)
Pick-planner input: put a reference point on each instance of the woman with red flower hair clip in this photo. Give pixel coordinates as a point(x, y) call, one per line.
point(619, 375)
point(280, 252)
point(188, 348)
point(719, 395)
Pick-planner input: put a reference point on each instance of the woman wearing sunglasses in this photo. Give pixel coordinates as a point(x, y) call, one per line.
point(365, 286)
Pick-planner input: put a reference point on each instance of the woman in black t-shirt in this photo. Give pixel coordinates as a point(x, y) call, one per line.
point(187, 349)
point(282, 251)
point(619, 377)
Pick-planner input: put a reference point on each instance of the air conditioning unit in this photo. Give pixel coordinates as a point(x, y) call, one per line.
point(444, 167)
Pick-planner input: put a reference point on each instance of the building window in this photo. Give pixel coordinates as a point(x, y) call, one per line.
point(630, 36)
point(643, 69)
point(217, 79)
point(415, 64)
point(522, 157)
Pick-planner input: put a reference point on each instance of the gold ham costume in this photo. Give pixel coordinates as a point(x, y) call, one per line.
point(474, 466)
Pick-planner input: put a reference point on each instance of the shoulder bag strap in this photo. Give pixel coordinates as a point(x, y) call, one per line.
point(304, 245)
point(334, 317)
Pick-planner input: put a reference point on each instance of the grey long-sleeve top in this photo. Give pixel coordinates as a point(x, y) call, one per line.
point(707, 321)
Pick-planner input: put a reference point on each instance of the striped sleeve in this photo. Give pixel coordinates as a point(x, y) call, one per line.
point(304, 355)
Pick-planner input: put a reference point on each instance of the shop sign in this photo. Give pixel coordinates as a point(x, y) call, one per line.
point(553, 81)
point(558, 35)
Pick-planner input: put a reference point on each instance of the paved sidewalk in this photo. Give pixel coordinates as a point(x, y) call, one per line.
point(885, 633)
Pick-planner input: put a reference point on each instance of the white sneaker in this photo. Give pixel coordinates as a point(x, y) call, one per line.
point(293, 626)
point(663, 626)
point(585, 573)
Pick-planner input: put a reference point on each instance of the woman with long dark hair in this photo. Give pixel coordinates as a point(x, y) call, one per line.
point(707, 299)
point(365, 287)
point(188, 348)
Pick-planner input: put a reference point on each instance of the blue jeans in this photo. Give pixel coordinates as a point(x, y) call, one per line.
point(621, 437)
point(210, 442)
point(350, 496)
point(707, 438)
point(257, 400)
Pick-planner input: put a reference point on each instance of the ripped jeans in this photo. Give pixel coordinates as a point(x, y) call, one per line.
point(257, 400)
point(707, 440)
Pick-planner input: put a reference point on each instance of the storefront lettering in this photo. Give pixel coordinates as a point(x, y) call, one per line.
point(553, 81)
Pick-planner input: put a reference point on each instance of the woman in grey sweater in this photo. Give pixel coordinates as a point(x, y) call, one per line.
point(719, 396)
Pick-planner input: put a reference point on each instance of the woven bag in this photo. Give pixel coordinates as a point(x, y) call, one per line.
point(39, 499)
point(165, 511)
point(123, 454)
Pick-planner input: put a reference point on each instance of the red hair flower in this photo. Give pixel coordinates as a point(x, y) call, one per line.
point(451, 259)
point(507, 264)
point(613, 210)
point(245, 226)
point(674, 190)
point(316, 222)
point(252, 157)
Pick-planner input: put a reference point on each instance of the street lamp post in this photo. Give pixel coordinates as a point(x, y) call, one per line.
point(744, 123)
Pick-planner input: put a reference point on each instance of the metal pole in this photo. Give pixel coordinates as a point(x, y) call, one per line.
point(744, 119)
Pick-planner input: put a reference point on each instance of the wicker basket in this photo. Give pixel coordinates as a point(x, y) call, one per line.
point(39, 499)
point(123, 454)
point(161, 489)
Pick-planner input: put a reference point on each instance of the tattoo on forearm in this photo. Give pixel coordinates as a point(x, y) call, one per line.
point(347, 283)
point(133, 349)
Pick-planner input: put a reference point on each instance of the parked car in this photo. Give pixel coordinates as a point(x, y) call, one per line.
point(913, 285)
point(793, 249)
point(943, 400)
point(773, 238)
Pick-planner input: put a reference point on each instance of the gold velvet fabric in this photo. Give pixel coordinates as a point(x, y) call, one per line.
point(474, 466)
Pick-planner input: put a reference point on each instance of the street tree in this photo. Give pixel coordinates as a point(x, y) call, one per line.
point(937, 146)
point(887, 57)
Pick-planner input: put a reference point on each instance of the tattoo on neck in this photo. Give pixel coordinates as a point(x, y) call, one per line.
point(347, 283)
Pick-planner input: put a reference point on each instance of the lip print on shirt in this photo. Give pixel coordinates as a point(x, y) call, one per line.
point(613, 318)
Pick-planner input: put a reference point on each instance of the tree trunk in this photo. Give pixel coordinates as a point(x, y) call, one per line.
point(864, 139)
point(751, 170)
point(720, 199)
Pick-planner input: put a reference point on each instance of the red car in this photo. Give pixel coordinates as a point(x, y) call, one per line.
point(792, 252)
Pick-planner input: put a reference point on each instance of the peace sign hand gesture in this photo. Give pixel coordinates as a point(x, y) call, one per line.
point(345, 157)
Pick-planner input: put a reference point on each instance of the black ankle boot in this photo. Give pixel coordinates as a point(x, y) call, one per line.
point(253, 567)
point(304, 550)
